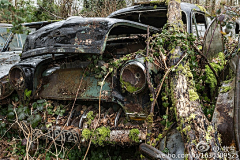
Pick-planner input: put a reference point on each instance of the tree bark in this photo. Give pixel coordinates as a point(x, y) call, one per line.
point(195, 128)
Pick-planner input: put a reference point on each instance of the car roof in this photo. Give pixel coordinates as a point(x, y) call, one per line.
point(6, 25)
point(186, 7)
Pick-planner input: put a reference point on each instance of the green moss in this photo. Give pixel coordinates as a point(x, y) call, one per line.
point(194, 142)
point(100, 135)
point(150, 118)
point(218, 66)
point(189, 74)
point(90, 117)
point(208, 134)
point(192, 116)
point(129, 87)
point(225, 89)
point(193, 96)
point(201, 8)
point(159, 137)
point(133, 135)
point(228, 81)
point(186, 129)
point(211, 79)
point(86, 134)
point(181, 68)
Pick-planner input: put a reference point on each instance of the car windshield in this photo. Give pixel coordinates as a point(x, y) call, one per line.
point(4, 33)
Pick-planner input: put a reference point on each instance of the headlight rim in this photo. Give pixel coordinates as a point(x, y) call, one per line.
point(143, 69)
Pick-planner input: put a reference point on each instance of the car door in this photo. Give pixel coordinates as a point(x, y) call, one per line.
point(199, 23)
point(213, 40)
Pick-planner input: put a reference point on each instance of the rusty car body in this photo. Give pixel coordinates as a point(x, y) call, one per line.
point(66, 60)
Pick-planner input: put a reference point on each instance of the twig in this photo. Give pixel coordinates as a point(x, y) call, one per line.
point(168, 71)
point(163, 59)
point(49, 12)
point(212, 36)
point(164, 133)
point(71, 148)
point(99, 110)
point(208, 63)
point(150, 86)
point(70, 112)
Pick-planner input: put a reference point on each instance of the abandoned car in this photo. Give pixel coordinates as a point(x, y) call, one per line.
point(69, 60)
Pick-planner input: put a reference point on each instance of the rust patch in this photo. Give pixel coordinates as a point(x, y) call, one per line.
point(133, 107)
point(64, 83)
point(5, 88)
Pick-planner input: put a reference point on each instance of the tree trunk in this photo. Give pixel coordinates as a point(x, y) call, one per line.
point(196, 130)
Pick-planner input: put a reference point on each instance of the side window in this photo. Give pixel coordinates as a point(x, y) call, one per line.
point(17, 42)
point(155, 18)
point(3, 36)
point(237, 29)
point(199, 25)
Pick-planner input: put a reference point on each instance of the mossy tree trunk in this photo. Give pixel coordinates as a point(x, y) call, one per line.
point(195, 128)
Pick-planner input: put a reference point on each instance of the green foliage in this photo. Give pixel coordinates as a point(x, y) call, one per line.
point(22, 112)
point(159, 137)
point(167, 40)
point(3, 127)
point(90, 117)
point(133, 135)
point(225, 89)
point(86, 133)
point(128, 86)
point(166, 150)
point(34, 120)
point(11, 114)
point(100, 135)
point(218, 66)
point(24, 11)
point(193, 95)
point(101, 8)
point(59, 110)
point(208, 110)
point(27, 94)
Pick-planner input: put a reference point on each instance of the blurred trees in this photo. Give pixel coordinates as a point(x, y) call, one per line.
point(20, 11)
point(101, 8)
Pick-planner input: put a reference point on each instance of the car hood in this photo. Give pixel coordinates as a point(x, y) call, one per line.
point(7, 60)
point(79, 35)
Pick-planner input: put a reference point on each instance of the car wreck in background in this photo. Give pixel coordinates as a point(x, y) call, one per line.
point(11, 49)
point(68, 60)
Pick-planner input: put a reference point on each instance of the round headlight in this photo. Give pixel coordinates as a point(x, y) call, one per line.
point(133, 77)
point(16, 78)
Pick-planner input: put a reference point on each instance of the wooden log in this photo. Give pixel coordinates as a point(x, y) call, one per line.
point(198, 133)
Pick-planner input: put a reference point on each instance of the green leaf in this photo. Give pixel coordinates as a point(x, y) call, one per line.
point(10, 115)
point(3, 125)
point(164, 98)
point(48, 125)
point(21, 116)
point(41, 101)
point(27, 93)
point(165, 116)
point(40, 107)
point(36, 120)
point(34, 105)
point(10, 108)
